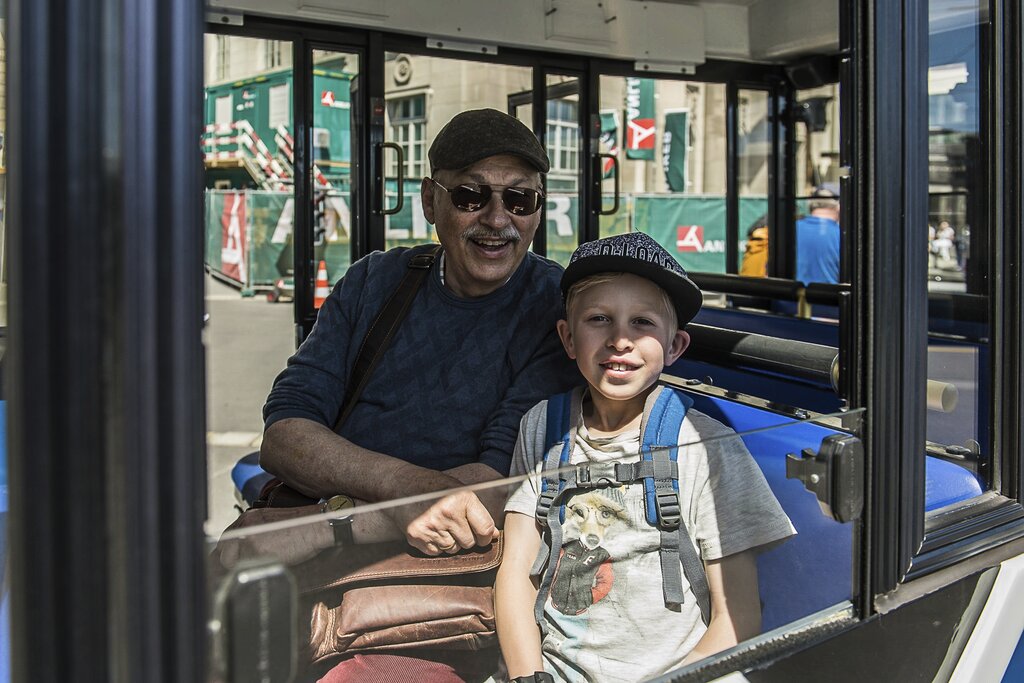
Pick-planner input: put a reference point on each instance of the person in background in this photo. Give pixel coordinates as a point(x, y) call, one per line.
point(755, 256)
point(817, 239)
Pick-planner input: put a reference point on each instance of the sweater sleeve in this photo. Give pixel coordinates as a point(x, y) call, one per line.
point(313, 384)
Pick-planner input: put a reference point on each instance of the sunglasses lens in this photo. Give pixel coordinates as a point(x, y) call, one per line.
point(470, 198)
point(520, 201)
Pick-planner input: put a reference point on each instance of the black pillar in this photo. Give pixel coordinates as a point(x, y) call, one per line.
point(104, 366)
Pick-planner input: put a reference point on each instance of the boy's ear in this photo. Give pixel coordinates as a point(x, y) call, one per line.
point(678, 344)
point(565, 334)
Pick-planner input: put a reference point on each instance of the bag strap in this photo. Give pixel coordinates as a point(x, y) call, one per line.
point(383, 328)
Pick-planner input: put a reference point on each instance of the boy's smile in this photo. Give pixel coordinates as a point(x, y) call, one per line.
point(621, 334)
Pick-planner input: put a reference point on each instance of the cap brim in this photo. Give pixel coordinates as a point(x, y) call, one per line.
point(681, 290)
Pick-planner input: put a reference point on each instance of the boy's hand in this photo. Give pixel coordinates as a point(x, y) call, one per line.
point(448, 525)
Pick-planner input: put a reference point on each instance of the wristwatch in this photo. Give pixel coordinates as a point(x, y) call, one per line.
point(342, 526)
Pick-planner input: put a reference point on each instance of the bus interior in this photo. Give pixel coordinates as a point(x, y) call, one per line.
point(882, 405)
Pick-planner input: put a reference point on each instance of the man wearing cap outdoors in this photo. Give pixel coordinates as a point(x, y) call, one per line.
point(476, 350)
point(817, 239)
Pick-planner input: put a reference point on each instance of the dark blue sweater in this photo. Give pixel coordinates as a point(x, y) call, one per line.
point(457, 377)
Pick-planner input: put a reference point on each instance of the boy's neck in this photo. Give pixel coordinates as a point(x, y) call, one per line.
point(606, 417)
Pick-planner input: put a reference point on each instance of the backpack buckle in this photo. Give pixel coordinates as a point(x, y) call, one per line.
point(585, 477)
point(544, 502)
point(669, 514)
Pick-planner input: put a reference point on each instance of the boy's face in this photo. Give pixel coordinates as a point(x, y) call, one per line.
point(622, 337)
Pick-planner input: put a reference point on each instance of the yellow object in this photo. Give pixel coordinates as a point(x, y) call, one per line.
point(755, 258)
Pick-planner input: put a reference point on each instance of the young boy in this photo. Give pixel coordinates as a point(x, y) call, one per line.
point(614, 605)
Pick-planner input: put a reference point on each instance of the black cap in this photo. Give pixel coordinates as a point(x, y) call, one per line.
point(636, 253)
point(480, 133)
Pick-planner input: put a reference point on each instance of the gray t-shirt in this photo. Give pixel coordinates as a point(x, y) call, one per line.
point(606, 597)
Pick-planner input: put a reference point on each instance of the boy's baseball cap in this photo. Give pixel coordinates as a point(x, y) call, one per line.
point(636, 253)
point(480, 133)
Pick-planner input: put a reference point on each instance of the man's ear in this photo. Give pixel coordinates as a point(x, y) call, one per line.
point(565, 334)
point(427, 199)
point(679, 343)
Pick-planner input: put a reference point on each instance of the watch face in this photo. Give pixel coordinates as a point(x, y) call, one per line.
point(339, 503)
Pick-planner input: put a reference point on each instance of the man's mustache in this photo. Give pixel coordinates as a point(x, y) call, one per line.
point(509, 234)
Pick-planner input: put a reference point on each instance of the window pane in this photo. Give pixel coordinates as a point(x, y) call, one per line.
point(754, 149)
point(958, 238)
point(249, 208)
point(563, 146)
point(333, 75)
point(817, 189)
point(796, 575)
point(669, 139)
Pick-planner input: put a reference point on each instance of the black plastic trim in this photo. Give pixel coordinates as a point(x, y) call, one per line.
point(104, 365)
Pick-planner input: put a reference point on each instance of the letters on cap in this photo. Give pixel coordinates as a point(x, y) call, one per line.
point(639, 254)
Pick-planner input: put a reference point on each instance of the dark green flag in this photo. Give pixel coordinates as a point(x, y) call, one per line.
point(674, 143)
point(640, 128)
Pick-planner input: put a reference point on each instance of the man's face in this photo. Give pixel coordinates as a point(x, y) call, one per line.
point(482, 248)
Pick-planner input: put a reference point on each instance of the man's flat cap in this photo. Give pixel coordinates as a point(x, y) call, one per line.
point(480, 133)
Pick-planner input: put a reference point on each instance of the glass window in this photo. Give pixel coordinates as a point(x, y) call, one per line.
point(334, 74)
point(563, 140)
point(818, 243)
point(670, 143)
point(273, 54)
point(408, 130)
point(249, 209)
point(754, 152)
point(956, 240)
point(563, 206)
point(797, 574)
point(280, 106)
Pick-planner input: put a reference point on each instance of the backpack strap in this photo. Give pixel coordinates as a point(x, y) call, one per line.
point(663, 417)
point(563, 413)
point(658, 469)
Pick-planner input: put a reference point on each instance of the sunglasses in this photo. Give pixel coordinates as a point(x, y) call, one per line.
point(518, 201)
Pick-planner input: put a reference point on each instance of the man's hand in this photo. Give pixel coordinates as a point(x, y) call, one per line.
point(448, 525)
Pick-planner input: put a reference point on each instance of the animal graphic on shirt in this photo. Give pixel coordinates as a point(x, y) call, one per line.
point(583, 575)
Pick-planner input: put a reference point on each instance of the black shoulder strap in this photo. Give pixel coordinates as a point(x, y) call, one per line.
point(378, 337)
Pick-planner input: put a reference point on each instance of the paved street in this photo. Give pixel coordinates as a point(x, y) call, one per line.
point(247, 343)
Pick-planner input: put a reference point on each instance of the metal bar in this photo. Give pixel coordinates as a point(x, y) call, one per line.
point(732, 199)
point(106, 409)
point(539, 118)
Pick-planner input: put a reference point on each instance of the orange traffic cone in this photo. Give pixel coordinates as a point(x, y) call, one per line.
point(323, 289)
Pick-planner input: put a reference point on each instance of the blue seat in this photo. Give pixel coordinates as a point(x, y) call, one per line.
point(813, 570)
point(249, 478)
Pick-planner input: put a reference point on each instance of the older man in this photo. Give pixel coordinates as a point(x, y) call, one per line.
point(477, 349)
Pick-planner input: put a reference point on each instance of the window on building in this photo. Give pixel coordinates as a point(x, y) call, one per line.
point(563, 139)
point(408, 130)
point(223, 59)
point(273, 54)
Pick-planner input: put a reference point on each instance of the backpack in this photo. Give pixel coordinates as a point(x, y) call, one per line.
point(657, 468)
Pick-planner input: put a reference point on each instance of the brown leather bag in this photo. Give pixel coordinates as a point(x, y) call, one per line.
point(389, 597)
point(376, 597)
point(373, 597)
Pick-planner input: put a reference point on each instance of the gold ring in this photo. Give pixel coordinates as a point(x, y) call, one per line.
point(453, 546)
